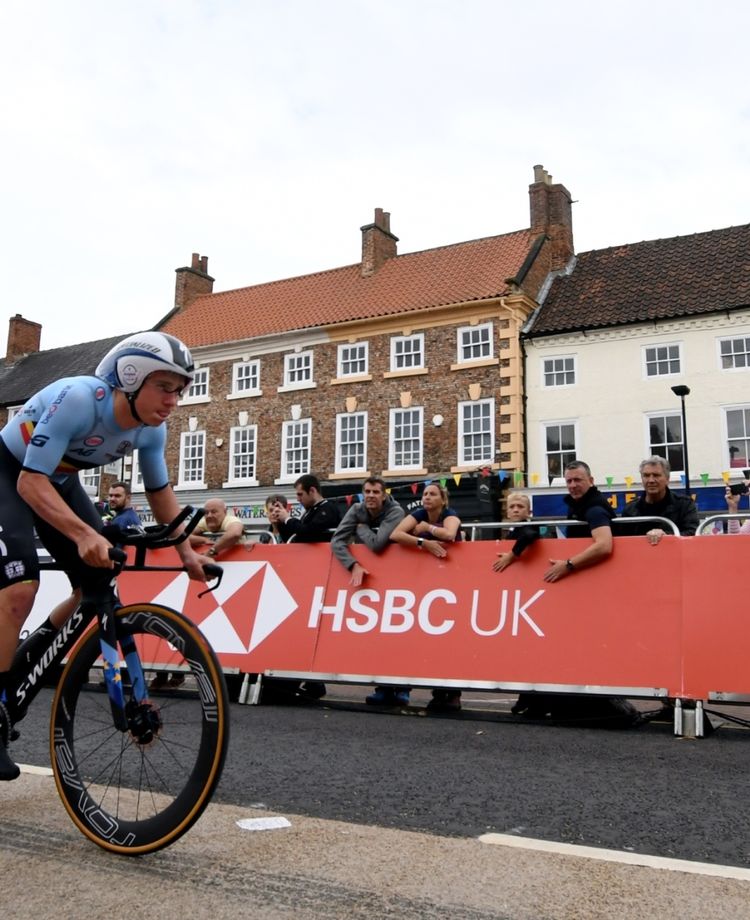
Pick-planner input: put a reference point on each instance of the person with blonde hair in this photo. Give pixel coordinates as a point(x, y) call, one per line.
point(517, 509)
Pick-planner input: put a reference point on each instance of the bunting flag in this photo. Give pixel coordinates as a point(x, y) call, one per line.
point(349, 499)
point(725, 477)
point(443, 483)
point(628, 481)
point(360, 497)
point(414, 486)
point(551, 478)
point(518, 477)
point(610, 480)
point(484, 472)
point(683, 479)
point(502, 475)
point(427, 482)
point(534, 478)
point(457, 478)
point(704, 478)
point(388, 491)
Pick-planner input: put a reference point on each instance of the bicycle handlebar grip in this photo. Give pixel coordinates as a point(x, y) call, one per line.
point(118, 555)
point(213, 571)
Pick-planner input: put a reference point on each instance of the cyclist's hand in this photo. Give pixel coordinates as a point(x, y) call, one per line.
point(94, 550)
point(193, 563)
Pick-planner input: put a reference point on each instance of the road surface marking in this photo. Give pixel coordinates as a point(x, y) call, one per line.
point(617, 856)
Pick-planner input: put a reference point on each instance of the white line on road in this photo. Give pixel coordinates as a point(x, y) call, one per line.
point(617, 856)
point(36, 771)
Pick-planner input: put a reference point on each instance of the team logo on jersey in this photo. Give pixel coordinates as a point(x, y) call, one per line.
point(99, 393)
point(94, 441)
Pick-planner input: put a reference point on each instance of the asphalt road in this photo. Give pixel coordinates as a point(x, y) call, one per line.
point(640, 790)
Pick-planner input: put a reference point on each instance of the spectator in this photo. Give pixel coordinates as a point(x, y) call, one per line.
point(585, 503)
point(370, 522)
point(517, 509)
point(316, 525)
point(215, 521)
point(217, 528)
point(319, 519)
point(123, 515)
point(428, 528)
point(273, 534)
point(733, 504)
point(658, 500)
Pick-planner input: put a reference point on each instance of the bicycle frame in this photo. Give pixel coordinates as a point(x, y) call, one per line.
point(99, 602)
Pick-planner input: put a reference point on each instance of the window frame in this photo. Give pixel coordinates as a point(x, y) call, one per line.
point(463, 460)
point(365, 346)
point(462, 331)
point(189, 397)
point(338, 464)
point(546, 425)
point(182, 482)
point(251, 391)
point(392, 465)
point(656, 360)
point(652, 450)
point(234, 434)
point(290, 357)
point(395, 339)
point(554, 372)
point(726, 451)
point(284, 476)
point(734, 368)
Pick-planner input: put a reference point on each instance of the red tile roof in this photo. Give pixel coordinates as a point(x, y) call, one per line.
point(474, 270)
point(658, 279)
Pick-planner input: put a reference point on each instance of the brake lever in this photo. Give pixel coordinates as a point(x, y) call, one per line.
point(212, 571)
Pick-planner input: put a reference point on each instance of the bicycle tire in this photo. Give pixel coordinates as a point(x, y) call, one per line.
point(127, 796)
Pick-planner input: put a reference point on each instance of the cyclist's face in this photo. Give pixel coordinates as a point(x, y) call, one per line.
point(158, 396)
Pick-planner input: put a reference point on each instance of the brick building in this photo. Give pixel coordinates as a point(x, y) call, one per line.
point(406, 366)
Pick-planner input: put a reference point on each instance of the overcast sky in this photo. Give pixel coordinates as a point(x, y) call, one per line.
point(263, 135)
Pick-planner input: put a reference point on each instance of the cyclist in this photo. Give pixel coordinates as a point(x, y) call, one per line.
point(73, 424)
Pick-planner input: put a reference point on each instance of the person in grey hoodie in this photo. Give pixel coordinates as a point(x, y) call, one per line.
point(369, 522)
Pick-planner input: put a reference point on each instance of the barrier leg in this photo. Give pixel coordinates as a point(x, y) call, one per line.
point(250, 692)
point(688, 720)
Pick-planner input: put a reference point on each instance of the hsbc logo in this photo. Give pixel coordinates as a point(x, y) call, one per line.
point(228, 627)
point(252, 602)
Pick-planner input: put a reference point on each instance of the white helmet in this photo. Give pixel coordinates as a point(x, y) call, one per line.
point(127, 365)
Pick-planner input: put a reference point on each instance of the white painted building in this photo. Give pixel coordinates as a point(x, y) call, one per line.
point(615, 334)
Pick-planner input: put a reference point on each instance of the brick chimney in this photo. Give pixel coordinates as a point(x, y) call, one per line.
point(378, 243)
point(551, 213)
point(24, 338)
point(192, 281)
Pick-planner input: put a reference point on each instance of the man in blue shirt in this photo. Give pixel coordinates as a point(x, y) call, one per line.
point(124, 516)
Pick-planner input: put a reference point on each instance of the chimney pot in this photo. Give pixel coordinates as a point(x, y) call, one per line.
point(192, 281)
point(378, 243)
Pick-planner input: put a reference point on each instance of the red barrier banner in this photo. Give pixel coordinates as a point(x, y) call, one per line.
point(637, 621)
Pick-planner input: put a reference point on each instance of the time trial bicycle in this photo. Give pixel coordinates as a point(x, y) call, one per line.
point(134, 767)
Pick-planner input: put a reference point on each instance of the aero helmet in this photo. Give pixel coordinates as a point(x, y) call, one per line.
point(127, 365)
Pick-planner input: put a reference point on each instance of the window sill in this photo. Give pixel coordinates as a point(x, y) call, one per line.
point(291, 387)
point(409, 372)
point(249, 394)
point(475, 467)
point(194, 401)
point(350, 474)
point(402, 472)
point(470, 365)
point(239, 483)
point(355, 378)
point(189, 486)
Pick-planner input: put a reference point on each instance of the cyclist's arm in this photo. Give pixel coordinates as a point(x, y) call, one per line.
point(41, 496)
point(165, 506)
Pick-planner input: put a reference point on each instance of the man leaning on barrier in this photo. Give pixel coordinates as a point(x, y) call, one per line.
point(587, 504)
point(658, 500)
point(370, 522)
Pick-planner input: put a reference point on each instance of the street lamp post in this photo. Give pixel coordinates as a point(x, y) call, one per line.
point(682, 391)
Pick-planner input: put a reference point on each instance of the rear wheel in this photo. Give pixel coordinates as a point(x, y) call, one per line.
point(137, 791)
